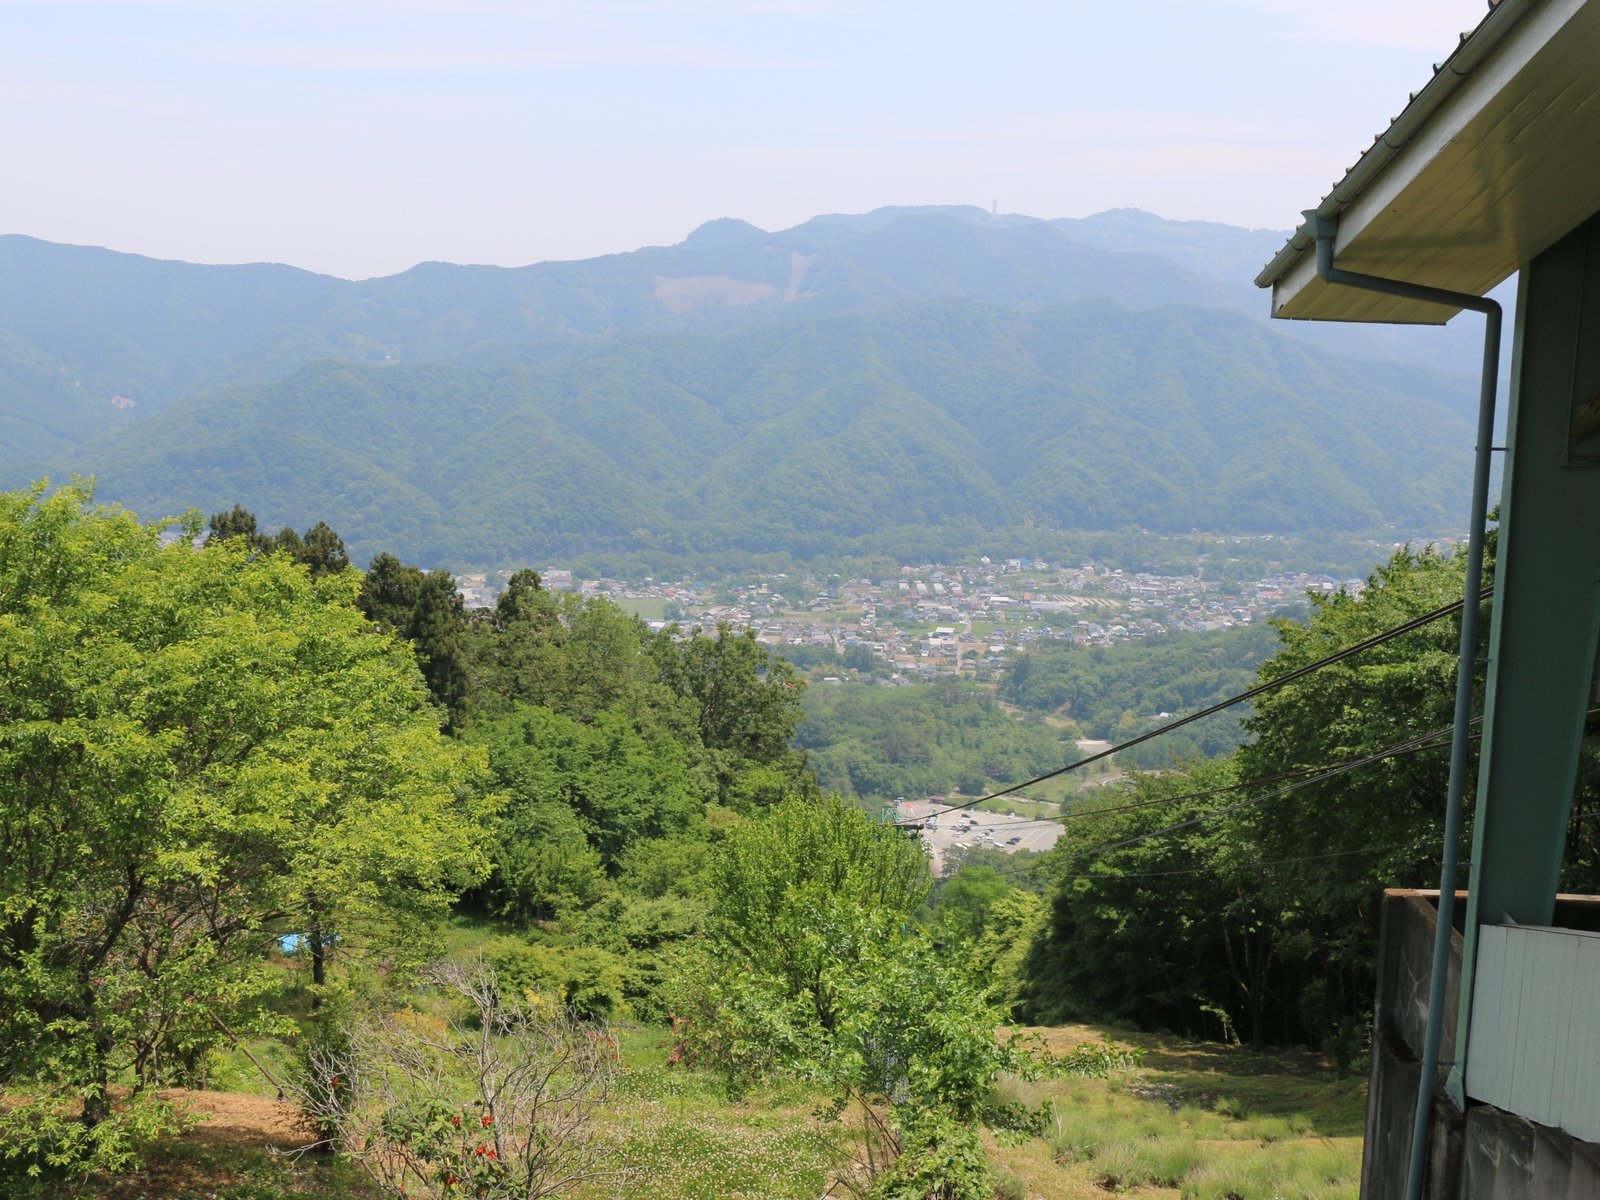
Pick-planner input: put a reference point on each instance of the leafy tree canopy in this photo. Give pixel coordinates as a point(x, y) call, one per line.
point(203, 748)
point(881, 742)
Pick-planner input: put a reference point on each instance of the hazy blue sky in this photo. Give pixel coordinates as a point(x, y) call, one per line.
point(359, 138)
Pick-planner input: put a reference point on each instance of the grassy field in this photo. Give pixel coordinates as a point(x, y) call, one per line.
point(1063, 788)
point(1011, 804)
point(1194, 1121)
point(651, 608)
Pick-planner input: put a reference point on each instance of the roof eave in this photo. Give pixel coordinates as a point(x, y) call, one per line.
point(1293, 265)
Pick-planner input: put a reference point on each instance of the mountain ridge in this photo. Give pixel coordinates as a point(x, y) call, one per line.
point(813, 437)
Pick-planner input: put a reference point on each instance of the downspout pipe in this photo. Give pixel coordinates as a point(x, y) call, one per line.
point(1448, 76)
point(1325, 229)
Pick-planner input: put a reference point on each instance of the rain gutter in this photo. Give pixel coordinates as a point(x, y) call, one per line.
point(1447, 78)
point(1324, 229)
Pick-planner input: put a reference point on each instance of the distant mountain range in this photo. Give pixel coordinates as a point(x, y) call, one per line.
point(810, 391)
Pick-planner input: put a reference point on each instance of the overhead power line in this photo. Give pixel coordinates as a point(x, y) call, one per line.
point(1299, 673)
point(1405, 747)
point(1413, 745)
point(1274, 862)
point(1433, 740)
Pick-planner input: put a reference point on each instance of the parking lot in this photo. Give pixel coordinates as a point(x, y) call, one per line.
point(951, 827)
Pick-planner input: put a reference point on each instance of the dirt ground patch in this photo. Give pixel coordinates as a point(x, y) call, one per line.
point(244, 1119)
point(240, 1148)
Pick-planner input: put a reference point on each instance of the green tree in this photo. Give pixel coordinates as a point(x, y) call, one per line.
point(1281, 891)
point(544, 865)
point(811, 964)
point(622, 784)
point(1374, 828)
point(922, 740)
point(322, 550)
point(1136, 926)
point(285, 541)
point(518, 601)
point(960, 905)
point(788, 885)
point(426, 610)
point(203, 749)
point(579, 657)
point(236, 522)
point(747, 700)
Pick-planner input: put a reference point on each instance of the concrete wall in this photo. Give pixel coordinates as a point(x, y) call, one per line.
point(1399, 1021)
point(1485, 1153)
point(1510, 1158)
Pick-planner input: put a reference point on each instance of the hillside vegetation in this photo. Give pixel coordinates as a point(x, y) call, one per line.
point(916, 383)
point(880, 743)
point(952, 419)
point(1194, 1120)
point(431, 876)
point(275, 816)
point(1118, 692)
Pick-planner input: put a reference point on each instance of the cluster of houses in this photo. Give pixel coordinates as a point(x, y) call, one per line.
point(932, 619)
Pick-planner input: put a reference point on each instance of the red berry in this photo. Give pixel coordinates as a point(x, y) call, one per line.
point(455, 1121)
point(492, 1154)
point(487, 1120)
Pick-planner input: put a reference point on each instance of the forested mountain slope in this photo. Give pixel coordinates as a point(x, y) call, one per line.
point(814, 437)
point(155, 332)
point(88, 336)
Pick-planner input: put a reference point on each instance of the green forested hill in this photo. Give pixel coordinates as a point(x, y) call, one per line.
point(876, 743)
point(814, 437)
point(908, 382)
point(156, 332)
point(1116, 692)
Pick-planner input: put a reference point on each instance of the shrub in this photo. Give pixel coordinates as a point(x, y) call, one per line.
point(496, 1099)
point(940, 1159)
point(41, 1135)
point(1095, 1060)
point(1014, 1109)
point(588, 980)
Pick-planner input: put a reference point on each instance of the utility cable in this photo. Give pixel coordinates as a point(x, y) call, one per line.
point(1332, 772)
point(1422, 742)
point(1413, 745)
point(1290, 677)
